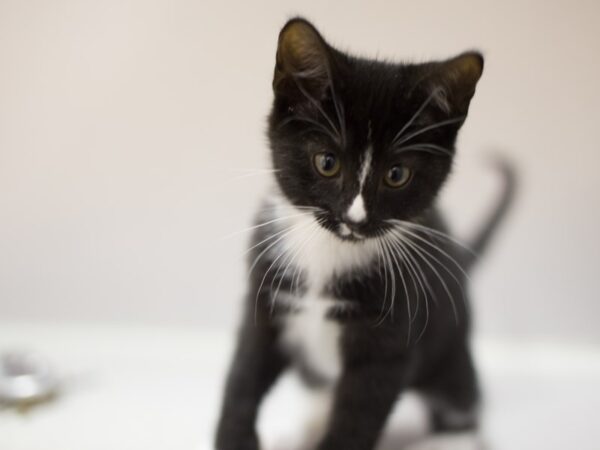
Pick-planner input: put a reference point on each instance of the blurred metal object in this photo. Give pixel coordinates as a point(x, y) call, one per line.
point(25, 379)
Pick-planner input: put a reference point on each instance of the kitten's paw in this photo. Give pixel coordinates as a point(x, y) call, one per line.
point(449, 441)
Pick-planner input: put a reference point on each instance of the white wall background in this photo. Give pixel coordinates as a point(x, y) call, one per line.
point(123, 124)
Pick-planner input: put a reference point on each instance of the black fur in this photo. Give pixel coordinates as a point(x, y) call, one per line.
point(329, 101)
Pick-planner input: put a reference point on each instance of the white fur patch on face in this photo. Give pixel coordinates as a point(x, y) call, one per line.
point(366, 167)
point(318, 253)
point(357, 212)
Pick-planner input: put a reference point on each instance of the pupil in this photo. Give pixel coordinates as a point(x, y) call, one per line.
point(395, 175)
point(328, 162)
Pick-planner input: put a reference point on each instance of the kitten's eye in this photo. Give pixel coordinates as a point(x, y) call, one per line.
point(398, 176)
point(327, 164)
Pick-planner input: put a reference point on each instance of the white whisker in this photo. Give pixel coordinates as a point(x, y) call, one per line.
point(420, 251)
point(434, 232)
point(402, 255)
point(424, 147)
point(429, 128)
point(318, 126)
point(415, 115)
point(381, 256)
point(258, 291)
point(263, 224)
point(421, 278)
point(435, 247)
point(311, 233)
point(317, 105)
point(271, 245)
point(268, 238)
point(398, 267)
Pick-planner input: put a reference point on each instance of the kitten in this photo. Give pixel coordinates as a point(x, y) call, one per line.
point(354, 281)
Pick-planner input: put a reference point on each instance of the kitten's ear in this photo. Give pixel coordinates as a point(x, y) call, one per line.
point(302, 65)
point(454, 82)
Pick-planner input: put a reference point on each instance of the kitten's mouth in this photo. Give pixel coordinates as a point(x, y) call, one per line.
point(348, 234)
point(345, 231)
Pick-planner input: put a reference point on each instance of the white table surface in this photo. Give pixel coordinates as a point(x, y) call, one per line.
point(142, 388)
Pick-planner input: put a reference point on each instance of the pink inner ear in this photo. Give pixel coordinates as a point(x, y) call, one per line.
point(302, 56)
point(456, 81)
point(469, 67)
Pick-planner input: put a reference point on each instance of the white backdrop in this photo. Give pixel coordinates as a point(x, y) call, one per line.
point(124, 126)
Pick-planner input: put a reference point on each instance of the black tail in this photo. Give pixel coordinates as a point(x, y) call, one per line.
point(482, 239)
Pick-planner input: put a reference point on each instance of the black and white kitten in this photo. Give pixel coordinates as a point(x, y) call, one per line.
point(354, 281)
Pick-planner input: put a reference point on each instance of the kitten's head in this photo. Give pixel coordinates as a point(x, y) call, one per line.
point(364, 141)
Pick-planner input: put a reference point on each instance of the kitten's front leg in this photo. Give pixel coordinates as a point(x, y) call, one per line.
point(364, 397)
point(256, 365)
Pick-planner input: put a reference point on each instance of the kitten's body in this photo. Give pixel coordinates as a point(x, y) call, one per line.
point(339, 297)
point(354, 283)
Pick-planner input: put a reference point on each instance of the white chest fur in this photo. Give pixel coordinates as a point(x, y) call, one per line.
point(309, 335)
point(320, 256)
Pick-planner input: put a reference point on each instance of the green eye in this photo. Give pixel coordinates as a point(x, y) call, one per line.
point(327, 164)
point(398, 176)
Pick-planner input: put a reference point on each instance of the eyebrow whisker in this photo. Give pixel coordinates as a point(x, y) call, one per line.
point(415, 115)
point(424, 147)
point(430, 127)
